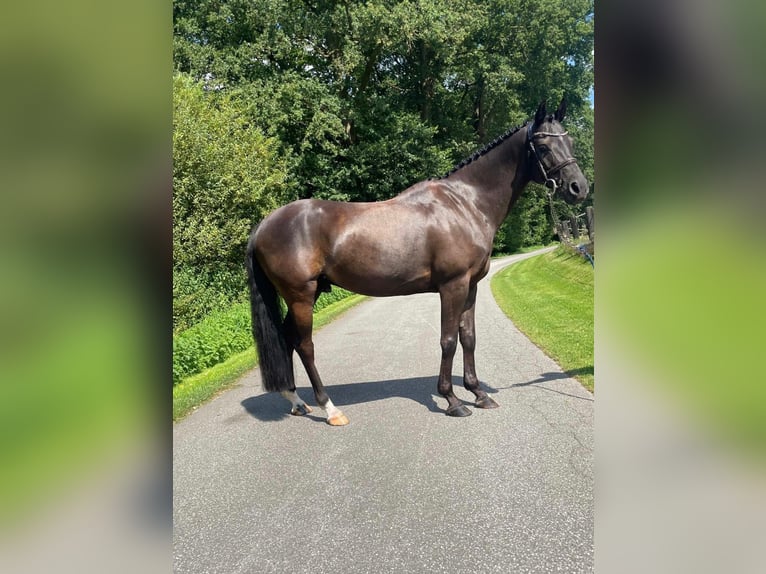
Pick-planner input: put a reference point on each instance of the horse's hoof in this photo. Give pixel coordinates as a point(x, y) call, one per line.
point(486, 403)
point(300, 410)
point(459, 411)
point(338, 420)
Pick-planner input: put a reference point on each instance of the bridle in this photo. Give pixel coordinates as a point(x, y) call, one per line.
point(548, 174)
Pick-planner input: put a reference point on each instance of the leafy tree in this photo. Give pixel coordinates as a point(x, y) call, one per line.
point(338, 71)
point(355, 100)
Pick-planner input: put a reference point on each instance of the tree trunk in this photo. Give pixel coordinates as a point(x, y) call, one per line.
point(479, 111)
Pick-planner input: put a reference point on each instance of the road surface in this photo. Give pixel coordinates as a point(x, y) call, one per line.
point(403, 488)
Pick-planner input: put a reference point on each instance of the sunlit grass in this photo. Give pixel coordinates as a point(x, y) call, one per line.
point(550, 299)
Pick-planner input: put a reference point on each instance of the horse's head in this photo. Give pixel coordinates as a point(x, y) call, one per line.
point(552, 159)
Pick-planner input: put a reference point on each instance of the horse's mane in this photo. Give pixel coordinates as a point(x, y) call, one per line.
point(486, 149)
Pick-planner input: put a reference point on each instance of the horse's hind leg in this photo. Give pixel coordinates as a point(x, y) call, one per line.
point(301, 310)
point(298, 407)
point(468, 342)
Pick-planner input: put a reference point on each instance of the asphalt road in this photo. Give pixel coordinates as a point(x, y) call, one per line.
point(403, 488)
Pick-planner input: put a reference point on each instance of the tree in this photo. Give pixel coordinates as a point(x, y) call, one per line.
point(334, 76)
point(361, 99)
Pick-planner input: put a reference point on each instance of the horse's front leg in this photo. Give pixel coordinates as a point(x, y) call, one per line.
point(453, 300)
point(468, 342)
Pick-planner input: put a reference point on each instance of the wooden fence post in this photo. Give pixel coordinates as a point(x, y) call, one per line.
point(575, 226)
point(589, 219)
point(565, 230)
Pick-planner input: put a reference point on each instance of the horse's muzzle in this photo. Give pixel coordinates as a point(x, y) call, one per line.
point(575, 191)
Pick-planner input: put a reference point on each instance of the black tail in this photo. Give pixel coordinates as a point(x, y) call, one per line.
point(275, 355)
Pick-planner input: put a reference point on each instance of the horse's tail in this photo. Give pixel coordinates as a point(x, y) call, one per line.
point(275, 354)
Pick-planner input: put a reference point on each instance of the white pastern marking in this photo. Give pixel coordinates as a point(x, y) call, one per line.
point(331, 410)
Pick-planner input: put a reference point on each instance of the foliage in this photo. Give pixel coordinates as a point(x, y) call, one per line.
point(327, 299)
point(211, 341)
point(276, 100)
point(370, 97)
point(195, 390)
point(226, 175)
point(222, 334)
point(549, 297)
point(200, 291)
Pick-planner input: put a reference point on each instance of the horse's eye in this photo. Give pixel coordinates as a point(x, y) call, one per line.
point(543, 148)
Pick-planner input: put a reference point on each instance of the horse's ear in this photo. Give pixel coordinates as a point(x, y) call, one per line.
point(561, 111)
point(540, 115)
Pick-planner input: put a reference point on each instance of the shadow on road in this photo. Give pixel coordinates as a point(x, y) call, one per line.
point(548, 377)
point(271, 407)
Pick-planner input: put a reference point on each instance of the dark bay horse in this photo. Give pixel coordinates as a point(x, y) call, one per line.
point(435, 236)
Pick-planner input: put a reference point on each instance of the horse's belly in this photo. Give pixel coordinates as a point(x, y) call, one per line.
point(382, 286)
point(380, 270)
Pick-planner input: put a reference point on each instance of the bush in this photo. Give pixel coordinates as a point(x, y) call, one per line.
point(333, 296)
point(212, 341)
point(227, 175)
point(223, 334)
point(199, 292)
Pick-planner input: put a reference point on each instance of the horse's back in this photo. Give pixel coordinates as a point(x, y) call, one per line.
point(393, 247)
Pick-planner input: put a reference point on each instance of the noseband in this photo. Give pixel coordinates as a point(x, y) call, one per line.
point(550, 173)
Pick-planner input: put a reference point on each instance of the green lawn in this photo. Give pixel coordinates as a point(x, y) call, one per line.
point(192, 392)
point(550, 299)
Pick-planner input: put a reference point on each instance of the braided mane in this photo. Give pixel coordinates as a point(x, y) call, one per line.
point(483, 151)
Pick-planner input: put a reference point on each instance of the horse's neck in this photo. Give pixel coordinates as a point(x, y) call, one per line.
point(497, 178)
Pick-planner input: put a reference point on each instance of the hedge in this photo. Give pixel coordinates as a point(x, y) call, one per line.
point(221, 335)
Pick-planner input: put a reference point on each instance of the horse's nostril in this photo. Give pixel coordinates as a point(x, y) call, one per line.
point(574, 189)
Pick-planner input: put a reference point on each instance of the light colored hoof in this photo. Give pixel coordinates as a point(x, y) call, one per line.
point(338, 420)
point(300, 410)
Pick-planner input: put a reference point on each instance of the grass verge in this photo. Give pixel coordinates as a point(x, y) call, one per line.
point(197, 389)
point(550, 299)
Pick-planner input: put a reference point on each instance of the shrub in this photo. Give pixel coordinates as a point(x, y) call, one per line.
point(226, 175)
point(333, 296)
point(211, 341)
point(199, 292)
point(221, 335)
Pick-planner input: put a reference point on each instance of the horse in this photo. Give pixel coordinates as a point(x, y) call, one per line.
point(435, 236)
